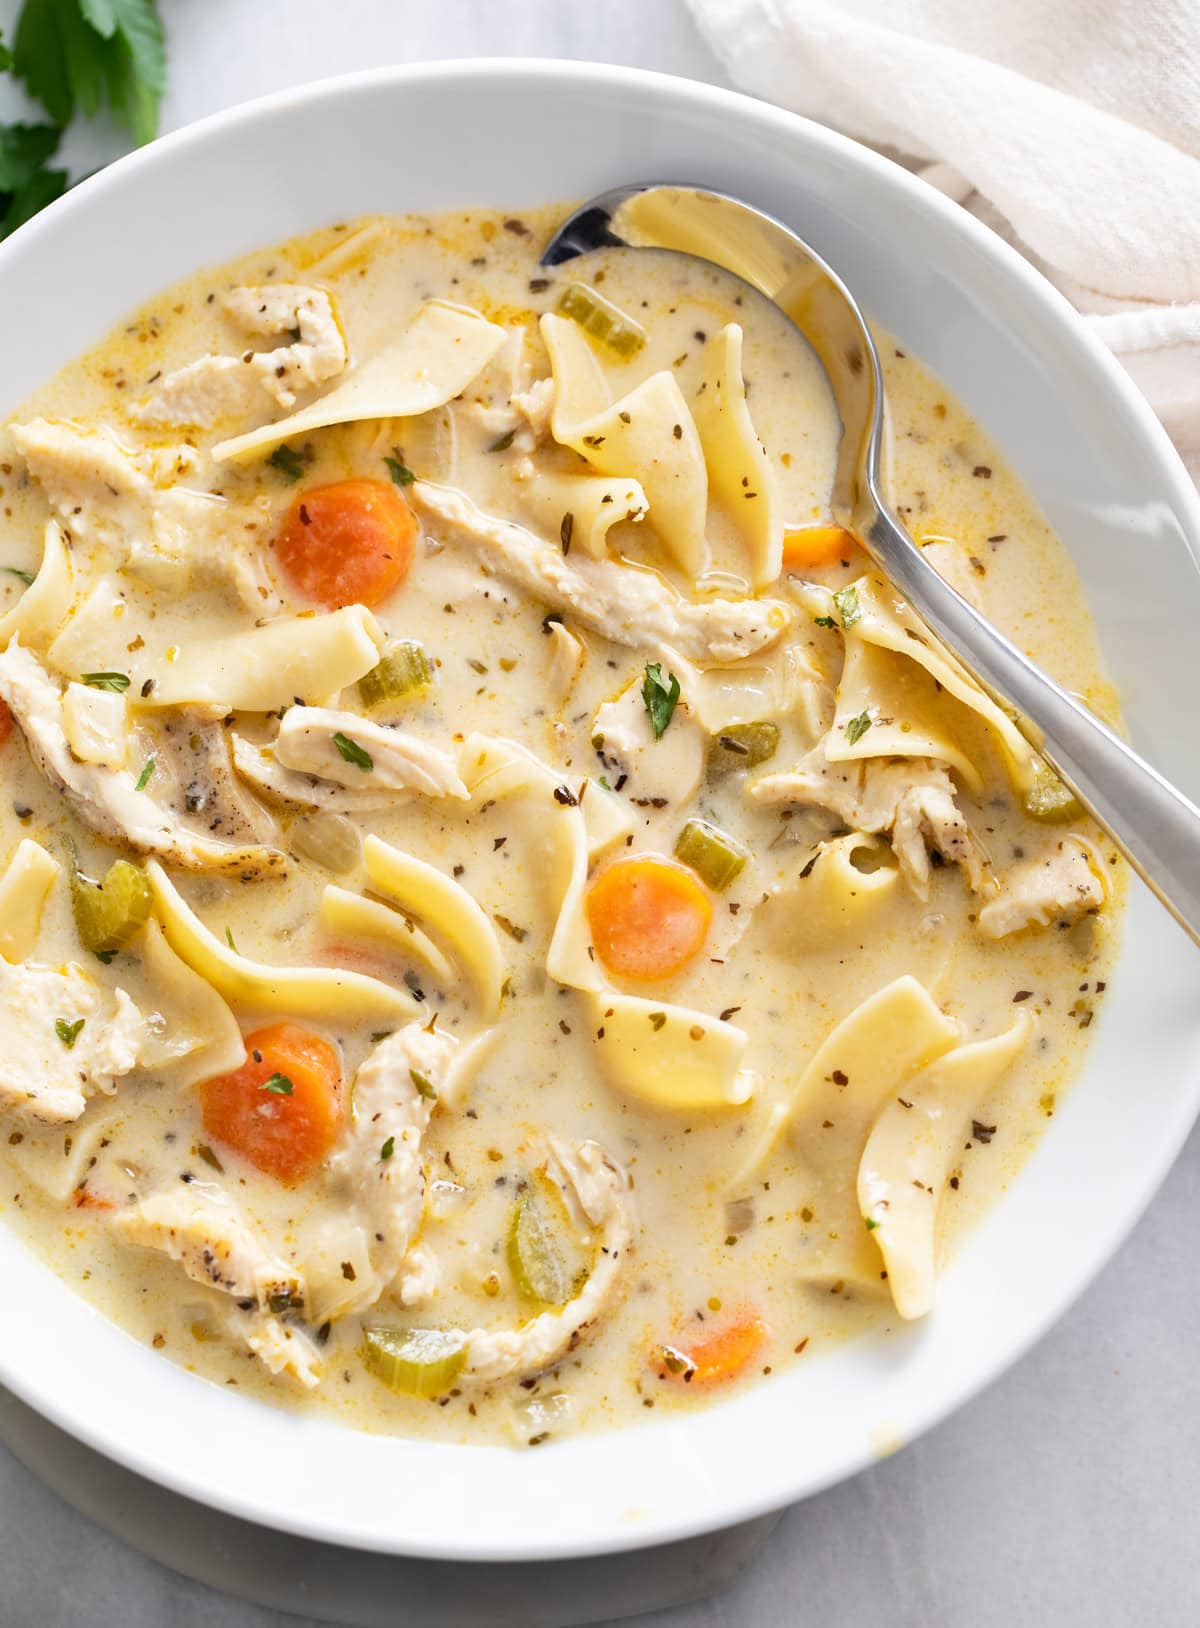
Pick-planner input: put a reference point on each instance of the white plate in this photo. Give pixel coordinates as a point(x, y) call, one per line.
point(513, 133)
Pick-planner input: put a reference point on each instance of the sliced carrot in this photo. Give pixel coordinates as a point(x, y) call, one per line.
point(711, 1358)
point(282, 1109)
point(347, 544)
point(6, 723)
point(648, 916)
point(810, 546)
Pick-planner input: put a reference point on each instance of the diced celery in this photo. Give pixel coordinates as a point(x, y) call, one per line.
point(742, 746)
point(602, 319)
point(542, 1254)
point(403, 669)
point(1049, 801)
point(109, 913)
point(716, 857)
point(415, 1361)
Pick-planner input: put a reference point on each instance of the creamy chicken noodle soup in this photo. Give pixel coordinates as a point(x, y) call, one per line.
point(507, 920)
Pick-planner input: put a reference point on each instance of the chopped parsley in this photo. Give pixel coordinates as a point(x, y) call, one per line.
point(73, 56)
point(425, 1087)
point(849, 609)
point(117, 682)
point(603, 781)
point(229, 940)
point(857, 727)
point(871, 1223)
point(352, 752)
point(825, 621)
point(503, 442)
point(143, 779)
point(388, 1148)
point(278, 1085)
point(398, 469)
point(22, 576)
point(288, 462)
point(68, 1033)
point(660, 696)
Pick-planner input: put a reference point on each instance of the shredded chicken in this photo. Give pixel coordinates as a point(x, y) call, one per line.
point(65, 1039)
point(535, 405)
point(194, 761)
point(311, 740)
point(303, 765)
point(526, 404)
point(108, 800)
point(1056, 888)
point(198, 1225)
point(419, 1277)
point(912, 799)
point(130, 503)
point(395, 1092)
point(218, 387)
point(621, 602)
point(601, 1189)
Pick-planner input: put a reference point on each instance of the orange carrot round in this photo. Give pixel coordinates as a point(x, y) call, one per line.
point(350, 543)
point(6, 723)
point(282, 1109)
point(712, 1357)
point(648, 916)
point(807, 547)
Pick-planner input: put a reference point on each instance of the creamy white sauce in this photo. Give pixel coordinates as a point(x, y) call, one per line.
point(708, 1246)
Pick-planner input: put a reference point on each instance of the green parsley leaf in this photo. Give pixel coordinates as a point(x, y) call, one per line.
point(503, 442)
point(871, 1223)
point(143, 779)
point(68, 1033)
point(381, 1034)
point(137, 68)
point(846, 600)
point(22, 576)
point(106, 956)
point(388, 1148)
point(5, 58)
point(352, 752)
point(425, 1088)
point(279, 1085)
point(117, 682)
point(57, 55)
point(398, 469)
point(824, 621)
point(660, 698)
point(24, 149)
point(41, 189)
point(229, 940)
point(603, 781)
point(857, 727)
point(288, 462)
point(77, 54)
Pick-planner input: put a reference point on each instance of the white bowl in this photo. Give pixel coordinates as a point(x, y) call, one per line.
point(514, 133)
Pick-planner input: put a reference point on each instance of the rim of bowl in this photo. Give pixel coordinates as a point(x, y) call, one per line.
point(733, 1504)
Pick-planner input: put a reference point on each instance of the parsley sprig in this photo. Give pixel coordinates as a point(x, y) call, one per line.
point(76, 56)
point(660, 695)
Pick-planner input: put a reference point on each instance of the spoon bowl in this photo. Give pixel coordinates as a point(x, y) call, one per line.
point(1152, 823)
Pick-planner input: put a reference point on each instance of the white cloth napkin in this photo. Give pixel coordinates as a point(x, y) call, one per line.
point(1072, 126)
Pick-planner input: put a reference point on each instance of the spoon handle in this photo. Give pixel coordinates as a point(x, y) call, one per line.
point(1154, 825)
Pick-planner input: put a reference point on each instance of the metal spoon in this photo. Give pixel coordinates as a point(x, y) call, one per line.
point(1153, 824)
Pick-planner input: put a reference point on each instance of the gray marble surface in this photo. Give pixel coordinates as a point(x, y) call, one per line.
point(1067, 1493)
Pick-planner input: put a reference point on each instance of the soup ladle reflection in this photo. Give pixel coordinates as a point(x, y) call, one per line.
point(1152, 823)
